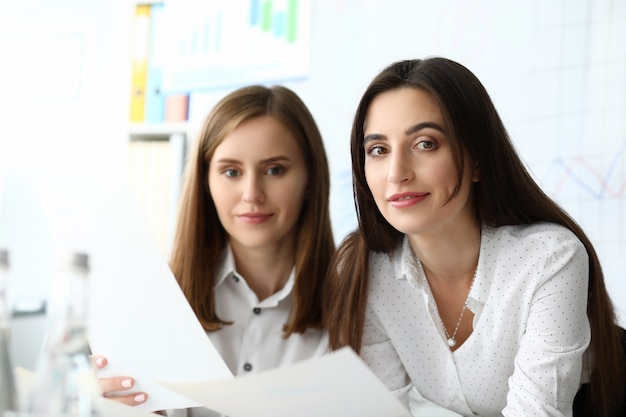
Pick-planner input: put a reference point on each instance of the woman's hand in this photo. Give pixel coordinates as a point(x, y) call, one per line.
point(117, 388)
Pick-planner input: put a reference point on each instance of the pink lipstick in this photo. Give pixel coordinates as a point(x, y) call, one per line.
point(403, 200)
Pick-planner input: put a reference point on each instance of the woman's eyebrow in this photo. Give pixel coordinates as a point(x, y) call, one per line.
point(278, 158)
point(408, 132)
point(423, 125)
point(374, 136)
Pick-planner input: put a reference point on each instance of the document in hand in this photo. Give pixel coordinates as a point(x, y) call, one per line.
point(337, 385)
point(103, 406)
point(140, 318)
point(141, 321)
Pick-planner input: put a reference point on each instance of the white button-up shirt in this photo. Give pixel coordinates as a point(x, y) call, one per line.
point(254, 342)
point(530, 328)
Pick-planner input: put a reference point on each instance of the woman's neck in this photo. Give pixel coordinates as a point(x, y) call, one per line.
point(448, 256)
point(267, 269)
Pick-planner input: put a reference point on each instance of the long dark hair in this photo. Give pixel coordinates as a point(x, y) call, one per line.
point(200, 238)
point(505, 195)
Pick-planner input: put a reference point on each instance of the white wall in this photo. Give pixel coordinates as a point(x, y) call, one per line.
point(64, 83)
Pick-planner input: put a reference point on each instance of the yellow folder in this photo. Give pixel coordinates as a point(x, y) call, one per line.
point(141, 36)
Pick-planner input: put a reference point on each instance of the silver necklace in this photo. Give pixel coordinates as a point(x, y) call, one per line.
point(450, 340)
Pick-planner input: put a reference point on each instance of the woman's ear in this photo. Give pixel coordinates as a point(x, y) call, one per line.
point(476, 174)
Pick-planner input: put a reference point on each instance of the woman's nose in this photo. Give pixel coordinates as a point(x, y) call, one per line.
point(400, 169)
point(253, 190)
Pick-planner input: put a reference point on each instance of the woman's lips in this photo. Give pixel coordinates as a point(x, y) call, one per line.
point(255, 218)
point(403, 200)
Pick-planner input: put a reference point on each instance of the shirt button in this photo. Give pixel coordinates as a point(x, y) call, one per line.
point(256, 310)
point(247, 367)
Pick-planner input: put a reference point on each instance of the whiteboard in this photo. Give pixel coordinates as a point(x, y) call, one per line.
point(555, 69)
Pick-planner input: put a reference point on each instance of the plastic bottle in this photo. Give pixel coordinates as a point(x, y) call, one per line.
point(8, 392)
point(66, 381)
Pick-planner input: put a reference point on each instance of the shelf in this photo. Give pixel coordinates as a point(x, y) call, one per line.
point(156, 131)
point(156, 160)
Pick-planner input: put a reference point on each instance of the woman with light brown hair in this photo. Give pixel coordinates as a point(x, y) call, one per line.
point(254, 236)
point(464, 281)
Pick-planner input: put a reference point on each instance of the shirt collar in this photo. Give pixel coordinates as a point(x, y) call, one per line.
point(408, 267)
point(227, 270)
point(487, 260)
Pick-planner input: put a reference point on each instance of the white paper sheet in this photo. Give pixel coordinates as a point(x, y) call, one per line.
point(140, 319)
point(336, 385)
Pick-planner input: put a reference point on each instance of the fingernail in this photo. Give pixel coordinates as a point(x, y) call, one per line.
point(99, 361)
point(139, 398)
point(127, 383)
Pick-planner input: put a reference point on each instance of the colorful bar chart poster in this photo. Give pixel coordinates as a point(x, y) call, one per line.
point(222, 43)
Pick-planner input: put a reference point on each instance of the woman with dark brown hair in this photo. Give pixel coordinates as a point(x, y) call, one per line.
point(464, 280)
point(254, 236)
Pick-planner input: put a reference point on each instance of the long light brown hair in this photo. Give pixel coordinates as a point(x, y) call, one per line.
point(505, 195)
point(200, 238)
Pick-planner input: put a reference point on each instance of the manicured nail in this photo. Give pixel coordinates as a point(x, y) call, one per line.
point(139, 398)
point(127, 383)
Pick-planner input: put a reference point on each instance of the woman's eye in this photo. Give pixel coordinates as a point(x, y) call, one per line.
point(426, 145)
point(277, 170)
point(376, 150)
point(231, 172)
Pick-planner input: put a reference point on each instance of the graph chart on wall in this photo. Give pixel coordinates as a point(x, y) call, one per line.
point(229, 43)
point(577, 126)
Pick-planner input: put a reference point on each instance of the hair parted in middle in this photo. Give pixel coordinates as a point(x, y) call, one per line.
point(200, 238)
point(506, 195)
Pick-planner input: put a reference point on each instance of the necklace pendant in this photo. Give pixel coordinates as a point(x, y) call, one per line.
point(451, 342)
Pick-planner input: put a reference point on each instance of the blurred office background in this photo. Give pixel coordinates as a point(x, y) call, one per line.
point(556, 70)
